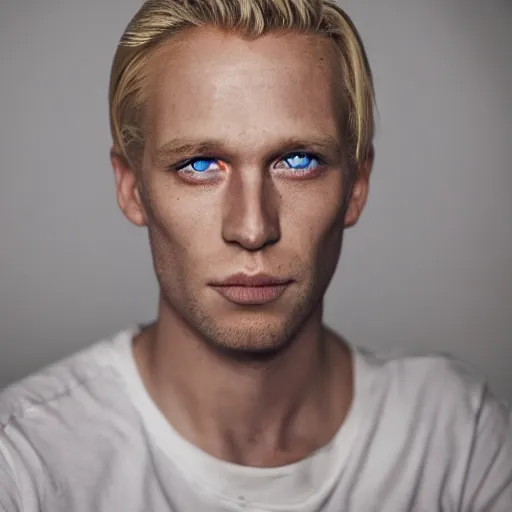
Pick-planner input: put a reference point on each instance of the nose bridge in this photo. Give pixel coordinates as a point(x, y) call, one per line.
point(251, 216)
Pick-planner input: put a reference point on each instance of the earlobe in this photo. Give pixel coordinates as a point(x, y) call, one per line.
point(127, 190)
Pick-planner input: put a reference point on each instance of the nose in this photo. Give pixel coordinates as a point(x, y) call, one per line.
point(251, 211)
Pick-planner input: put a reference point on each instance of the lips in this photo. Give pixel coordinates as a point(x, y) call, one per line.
point(257, 289)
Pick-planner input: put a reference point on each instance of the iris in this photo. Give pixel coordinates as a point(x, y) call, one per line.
point(301, 161)
point(202, 165)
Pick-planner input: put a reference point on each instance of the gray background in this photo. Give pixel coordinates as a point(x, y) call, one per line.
point(427, 269)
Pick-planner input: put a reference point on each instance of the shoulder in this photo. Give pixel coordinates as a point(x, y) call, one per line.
point(435, 386)
point(60, 381)
point(437, 417)
point(63, 423)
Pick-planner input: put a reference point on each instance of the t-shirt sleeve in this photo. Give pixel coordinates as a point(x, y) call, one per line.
point(10, 499)
point(488, 484)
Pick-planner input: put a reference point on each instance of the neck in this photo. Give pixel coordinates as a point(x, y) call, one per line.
point(259, 412)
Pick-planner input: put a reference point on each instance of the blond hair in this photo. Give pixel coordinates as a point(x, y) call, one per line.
point(159, 20)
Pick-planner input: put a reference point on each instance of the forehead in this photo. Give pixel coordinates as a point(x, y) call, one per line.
point(206, 83)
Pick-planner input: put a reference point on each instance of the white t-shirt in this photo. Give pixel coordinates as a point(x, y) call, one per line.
point(423, 434)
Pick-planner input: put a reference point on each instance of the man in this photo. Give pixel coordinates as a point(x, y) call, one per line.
point(243, 142)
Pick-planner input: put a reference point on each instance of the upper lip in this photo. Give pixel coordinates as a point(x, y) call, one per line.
point(242, 279)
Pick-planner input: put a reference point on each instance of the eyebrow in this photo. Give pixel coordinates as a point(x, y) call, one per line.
point(178, 148)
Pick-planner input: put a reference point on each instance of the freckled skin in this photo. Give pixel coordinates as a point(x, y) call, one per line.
point(248, 94)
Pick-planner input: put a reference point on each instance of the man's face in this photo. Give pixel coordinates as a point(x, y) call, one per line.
point(244, 171)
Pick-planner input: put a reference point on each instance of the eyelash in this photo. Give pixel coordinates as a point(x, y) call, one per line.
point(181, 167)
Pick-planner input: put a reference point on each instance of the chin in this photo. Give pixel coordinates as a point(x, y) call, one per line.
point(257, 339)
point(250, 338)
point(249, 333)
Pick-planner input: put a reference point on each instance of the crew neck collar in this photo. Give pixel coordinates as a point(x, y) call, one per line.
point(293, 487)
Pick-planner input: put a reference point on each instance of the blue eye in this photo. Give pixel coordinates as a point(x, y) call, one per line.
point(300, 161)
point(202, 165)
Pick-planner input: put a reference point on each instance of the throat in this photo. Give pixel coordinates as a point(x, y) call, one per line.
point(255, 418)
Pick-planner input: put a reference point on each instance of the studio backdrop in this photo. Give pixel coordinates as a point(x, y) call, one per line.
point(427, 269)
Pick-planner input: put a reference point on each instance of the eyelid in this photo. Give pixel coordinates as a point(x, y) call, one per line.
point(310, 154)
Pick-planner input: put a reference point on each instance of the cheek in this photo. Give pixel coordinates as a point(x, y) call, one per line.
point(313, 212)
point(179, 223)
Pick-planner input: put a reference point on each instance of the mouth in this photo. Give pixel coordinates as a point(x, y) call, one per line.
point(244, 289)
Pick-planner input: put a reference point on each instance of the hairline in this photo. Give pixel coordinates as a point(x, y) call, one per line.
point(147, 34)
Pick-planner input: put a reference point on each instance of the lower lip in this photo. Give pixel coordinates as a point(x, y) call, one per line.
point(251, 295)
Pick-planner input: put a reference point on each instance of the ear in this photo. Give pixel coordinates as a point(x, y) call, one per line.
point(127, 190)
point(359, 192)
